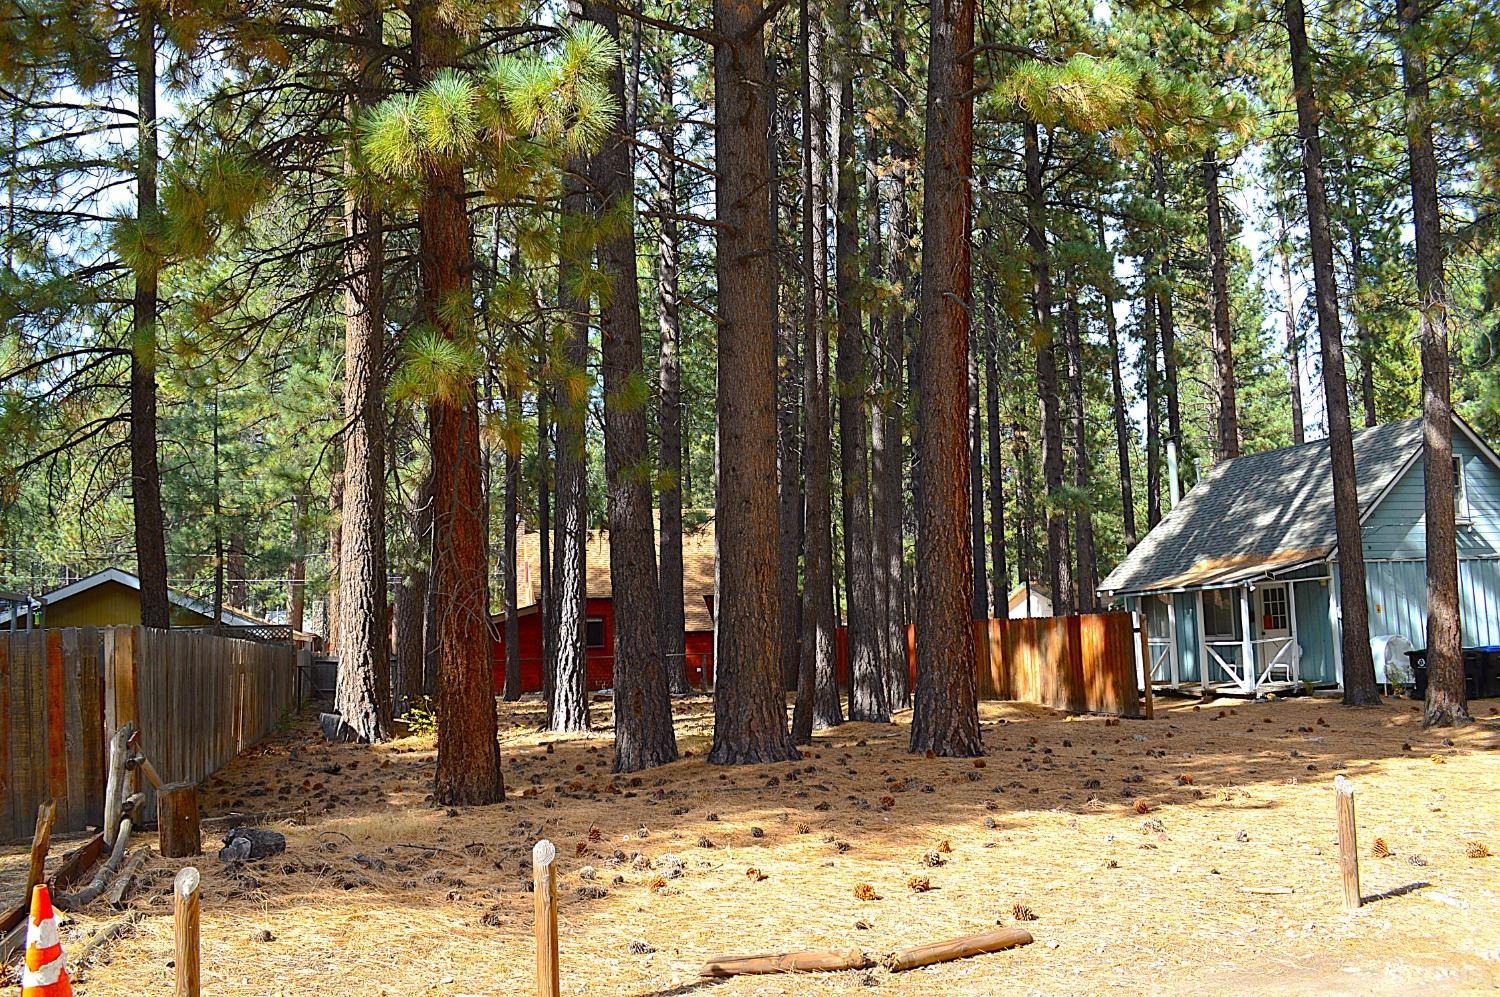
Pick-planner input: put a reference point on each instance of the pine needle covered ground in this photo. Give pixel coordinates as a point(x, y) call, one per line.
point(1129, 850)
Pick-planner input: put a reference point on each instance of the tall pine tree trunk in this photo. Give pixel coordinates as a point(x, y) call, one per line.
point(669, 381)
point(1166, 321)
point(1359, 667)
point(511, 553)
point(867, 700)
point(1117, 398)
point(1083, 516)
point(1447, 701)
point(749, 704)
point(569, 664)
point(1362, 333)
point(1228, 424)
point(1059, 576)
point(362, 691)
point(409, 681)
point(145, 474)
point(643, 708)
point(817, 704)
point(1000, 577)
point(980, 595)
point(890, 517)
point(468, 753)
point(945, 718)
point(1152, 377)
point(1289, 322)
point(788, 431)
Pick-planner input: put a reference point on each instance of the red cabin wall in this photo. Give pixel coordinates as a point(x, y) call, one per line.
point(698, 659)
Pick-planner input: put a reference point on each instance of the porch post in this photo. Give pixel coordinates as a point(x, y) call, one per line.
point(1249, 670)
point(1336, 626)
point(1291, 615)
point(1204, 658)
point(1172, 643)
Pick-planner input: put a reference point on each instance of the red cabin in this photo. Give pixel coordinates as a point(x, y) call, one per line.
point(697, 593)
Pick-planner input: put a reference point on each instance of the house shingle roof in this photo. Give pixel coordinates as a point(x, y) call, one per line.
point(1261, 512)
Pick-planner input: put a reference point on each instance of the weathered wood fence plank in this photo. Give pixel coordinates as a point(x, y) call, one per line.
point(198, 699)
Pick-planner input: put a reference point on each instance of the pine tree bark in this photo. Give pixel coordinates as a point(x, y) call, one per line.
point(1152, 377)
point(788, 427)
point(512, 690)
point(145, 472)
point(669, 382)
point(1000, 579)
point(1362, 332)
point(468, 753)
point(547, 604)
point(569, 709)
point(890, 515)
point(408, 681)
point(817, 704)
point(362, 691)
point(296, 583)
point(1289, 323)
point(1447, 697)
point(1166, 321)
point(1359, 666)
point(945, 717)
point(1059, 576)
point(1083, 516)
point(643, 710)
point(749, 704)
point(980, 597)
point(867, 700)
point(1117, 396)
point(1228, 424)
point(332, 622)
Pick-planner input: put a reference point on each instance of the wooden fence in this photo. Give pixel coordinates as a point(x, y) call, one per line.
point(198, 700)
point(1082, 664)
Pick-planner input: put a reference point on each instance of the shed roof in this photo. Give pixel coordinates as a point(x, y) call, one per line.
point(1262, 513)
point(697, 572)
point(230, 617)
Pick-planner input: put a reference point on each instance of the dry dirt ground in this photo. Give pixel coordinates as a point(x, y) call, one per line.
point(1135, 846)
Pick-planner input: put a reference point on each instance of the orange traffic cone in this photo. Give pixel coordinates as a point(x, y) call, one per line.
point(44, 975)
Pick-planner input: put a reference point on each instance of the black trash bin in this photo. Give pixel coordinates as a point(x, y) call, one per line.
point(1418, 659)
point(1489, 673)
point(1478, 668)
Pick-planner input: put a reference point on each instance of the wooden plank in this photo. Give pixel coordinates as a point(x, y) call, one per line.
point(34, 789)
point(74, 802)
point(91, 710)
point(8, 792)
point(55, 731)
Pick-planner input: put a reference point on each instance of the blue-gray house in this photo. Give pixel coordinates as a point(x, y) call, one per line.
point(1239, 581)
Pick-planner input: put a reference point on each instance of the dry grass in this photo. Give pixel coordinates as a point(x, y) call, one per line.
point(381, 893)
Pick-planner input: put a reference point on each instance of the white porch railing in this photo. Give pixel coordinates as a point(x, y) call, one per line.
point(1160, 649)
point(1280, 657)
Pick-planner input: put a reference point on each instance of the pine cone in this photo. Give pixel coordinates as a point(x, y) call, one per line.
point(1142, 807)
point(755, 875)
point(1022, 913)
point(864, 891)
point(919, 884)
point(1380, 849)
point(1477, 850)
point(945, 847)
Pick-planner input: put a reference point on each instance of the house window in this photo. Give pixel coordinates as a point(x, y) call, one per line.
point(1460, 491)
point(1273, 609)
point(594, 631)
point(1220, 615)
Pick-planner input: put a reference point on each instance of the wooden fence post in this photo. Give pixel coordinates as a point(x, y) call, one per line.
point(1348, 848)
point(185, 916)
point(544, 873)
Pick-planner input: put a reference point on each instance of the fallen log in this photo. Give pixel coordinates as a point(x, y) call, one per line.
point(956, 948)
point(103, 936)
point(127, 876)
point(786, 962)
point(236, 819)
point(90, 893)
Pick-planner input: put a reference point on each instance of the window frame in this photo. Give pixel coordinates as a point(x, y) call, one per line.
point(1460, 491)
point(588, 626)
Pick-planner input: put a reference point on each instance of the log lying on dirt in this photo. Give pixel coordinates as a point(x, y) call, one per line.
point(956, 948)
point(90, 893)
point(126, 879)
point(101, 938)
point(785, 962)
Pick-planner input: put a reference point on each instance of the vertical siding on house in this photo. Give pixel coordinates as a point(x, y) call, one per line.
point(1313, 635)
point(1187, 635)
point(1396, 528)
point(1398, 600)
point(1479, 601)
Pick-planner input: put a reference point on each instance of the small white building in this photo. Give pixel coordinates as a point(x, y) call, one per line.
point(1028, 601)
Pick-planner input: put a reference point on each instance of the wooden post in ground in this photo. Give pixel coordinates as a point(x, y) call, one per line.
point(177, 820)
point(185, 914)
point(1348, 848)
point(41, 842)
point(544, 873)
